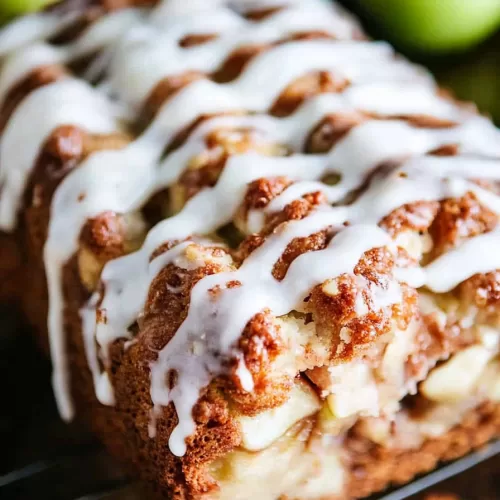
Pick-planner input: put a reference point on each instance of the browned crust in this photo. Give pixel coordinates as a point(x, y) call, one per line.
point(216, 433)
point(261, 192)
point(236, 62)
point(332, 129)
point(305, 87)
point(373, 468)
point(261, 14)
point(63, 150)
point(368, 332)
point(414, 216)
point(124, 428)
point(261, 344)
point(198, 39)
point(166, 89)
point(220, 145)
point(104, 235)
point(459, 219)
point(288, 101)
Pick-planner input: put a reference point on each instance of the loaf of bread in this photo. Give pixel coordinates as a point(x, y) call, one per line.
point(262, 250)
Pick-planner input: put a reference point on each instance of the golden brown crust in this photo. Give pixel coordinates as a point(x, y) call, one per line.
point(198, 39)
point(165, 89)
point(305, 87)
point(205, 169)
point(63, 150)
point(298, 246)
point(334, 308)
point(261, 192)
point(169, 296)
point(373, 468)
point(125, 428)
point(288, 101)
point(296, 210)
point(61, 153)
point(166, 308)
point(411, 217)
point(262, 14)
point(260, 344)
point(331, 130)
point(459, 219)
point(483, 290)
point(237, 61)
point(104, 235)
point(183, 134)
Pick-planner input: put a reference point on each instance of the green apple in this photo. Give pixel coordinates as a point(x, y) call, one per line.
point(10, 8)
point(434, 25)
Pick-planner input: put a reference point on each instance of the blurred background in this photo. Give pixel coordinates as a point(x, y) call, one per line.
point(459, 40)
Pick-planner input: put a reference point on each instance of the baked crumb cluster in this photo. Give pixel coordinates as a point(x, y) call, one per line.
point(267, 247)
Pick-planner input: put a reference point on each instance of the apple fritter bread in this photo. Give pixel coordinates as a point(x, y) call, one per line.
point(262, 250)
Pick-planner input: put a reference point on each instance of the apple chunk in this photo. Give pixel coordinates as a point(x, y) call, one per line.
point(261, 430)
point(456, 379)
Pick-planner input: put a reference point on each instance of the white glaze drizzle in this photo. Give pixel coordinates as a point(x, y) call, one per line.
point(98, 36)
point(123, 180)
point(150, 54)
point(65, 102)
point(137, 184)
point(125, 298)
point(29, 29)
point(222, 323)
point(481, 253)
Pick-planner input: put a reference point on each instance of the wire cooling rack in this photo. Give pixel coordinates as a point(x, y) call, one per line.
point(44, 458)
